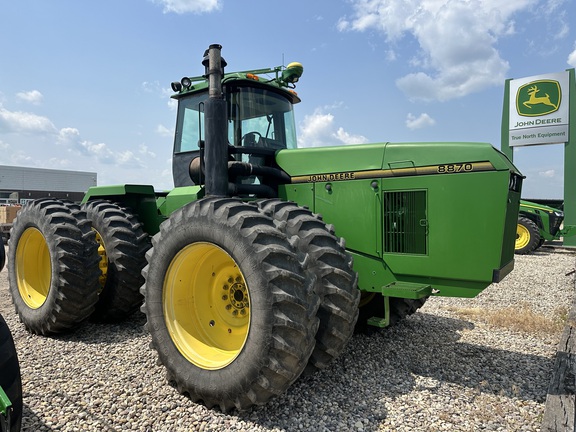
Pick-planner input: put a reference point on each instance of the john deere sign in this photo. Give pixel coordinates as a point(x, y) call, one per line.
point(539, 110)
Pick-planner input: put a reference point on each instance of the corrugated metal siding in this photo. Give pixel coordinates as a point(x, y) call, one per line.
point(41, 179)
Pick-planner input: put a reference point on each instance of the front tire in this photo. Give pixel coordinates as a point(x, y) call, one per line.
point(52, 266)
point(527, 236)
point(230, 312)
point(10, 379)
point(122, 249)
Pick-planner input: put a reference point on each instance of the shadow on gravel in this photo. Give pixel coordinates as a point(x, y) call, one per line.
point(96, 333)
point(31, 422)
point(432, 348)
point(423, 353)
point(556, 248)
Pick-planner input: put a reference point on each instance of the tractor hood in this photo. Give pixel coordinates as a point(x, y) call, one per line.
point(390, 160)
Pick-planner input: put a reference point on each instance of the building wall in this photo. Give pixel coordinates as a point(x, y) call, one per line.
point(23, 183)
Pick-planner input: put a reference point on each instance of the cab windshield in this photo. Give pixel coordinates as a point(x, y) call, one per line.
point(256, 117)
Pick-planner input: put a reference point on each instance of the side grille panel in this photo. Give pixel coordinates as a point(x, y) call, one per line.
point(405, 222)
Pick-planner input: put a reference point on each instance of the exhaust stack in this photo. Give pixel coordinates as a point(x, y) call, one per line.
point(215, 125)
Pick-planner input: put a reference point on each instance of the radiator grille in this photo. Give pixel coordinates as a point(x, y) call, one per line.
point(405, 224)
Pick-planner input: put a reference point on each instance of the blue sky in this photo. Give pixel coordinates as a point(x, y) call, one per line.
point(85, 85)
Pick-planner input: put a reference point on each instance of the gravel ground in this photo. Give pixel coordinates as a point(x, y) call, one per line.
point(435, 371)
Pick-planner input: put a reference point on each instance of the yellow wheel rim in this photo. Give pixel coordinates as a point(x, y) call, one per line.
point(522, 236)
point(33, 268)
point(103, 264)
point(206, 305)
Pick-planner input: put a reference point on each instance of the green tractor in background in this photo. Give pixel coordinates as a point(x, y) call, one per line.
point(263, 260)
point(538, 223)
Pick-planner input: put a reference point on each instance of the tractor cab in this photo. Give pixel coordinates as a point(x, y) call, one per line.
point(259, 119)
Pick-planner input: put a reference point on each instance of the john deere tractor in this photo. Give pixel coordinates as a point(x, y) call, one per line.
point(538, 223)
point(263, 260)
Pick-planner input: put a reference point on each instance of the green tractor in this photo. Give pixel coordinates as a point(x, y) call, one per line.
point(10, 380)
point(265, 258)
point(538, 223)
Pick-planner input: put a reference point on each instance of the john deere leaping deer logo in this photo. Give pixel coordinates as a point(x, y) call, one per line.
point(538, 98)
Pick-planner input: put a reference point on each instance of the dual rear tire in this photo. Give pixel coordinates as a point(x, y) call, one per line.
point(55, 264)
point(122, 245)
point(52, 266)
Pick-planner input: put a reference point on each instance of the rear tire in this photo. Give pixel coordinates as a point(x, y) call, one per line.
point(10, 380)
point(230, 312)
point(331, 266)
point(122, 249)
point(527, 236)
point(52, 266)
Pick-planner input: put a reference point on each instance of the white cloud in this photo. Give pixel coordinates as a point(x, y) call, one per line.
point(348, 138)
point(151, 87)
point(102, 153)
point(163, 92)
point(23, 122)
point(34, 97)
point(318, 130)
point(423, 120)
point(172, 104)
point(127, 158)
point(143, 149)
point(164, 131)
point(59, 163)
point(314, 129)
point(22, 159)
point(572, 57)
point(457, 41)
point(99, 150)
point(68, 136)
point(67, 148)
point(189, 6)
point(547, 174)
point(556, 18)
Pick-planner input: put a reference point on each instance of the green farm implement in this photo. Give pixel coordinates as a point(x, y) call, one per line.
point(265, 258)
point(538, 223)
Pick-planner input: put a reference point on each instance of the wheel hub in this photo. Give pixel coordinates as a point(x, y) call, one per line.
point(236, 296)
